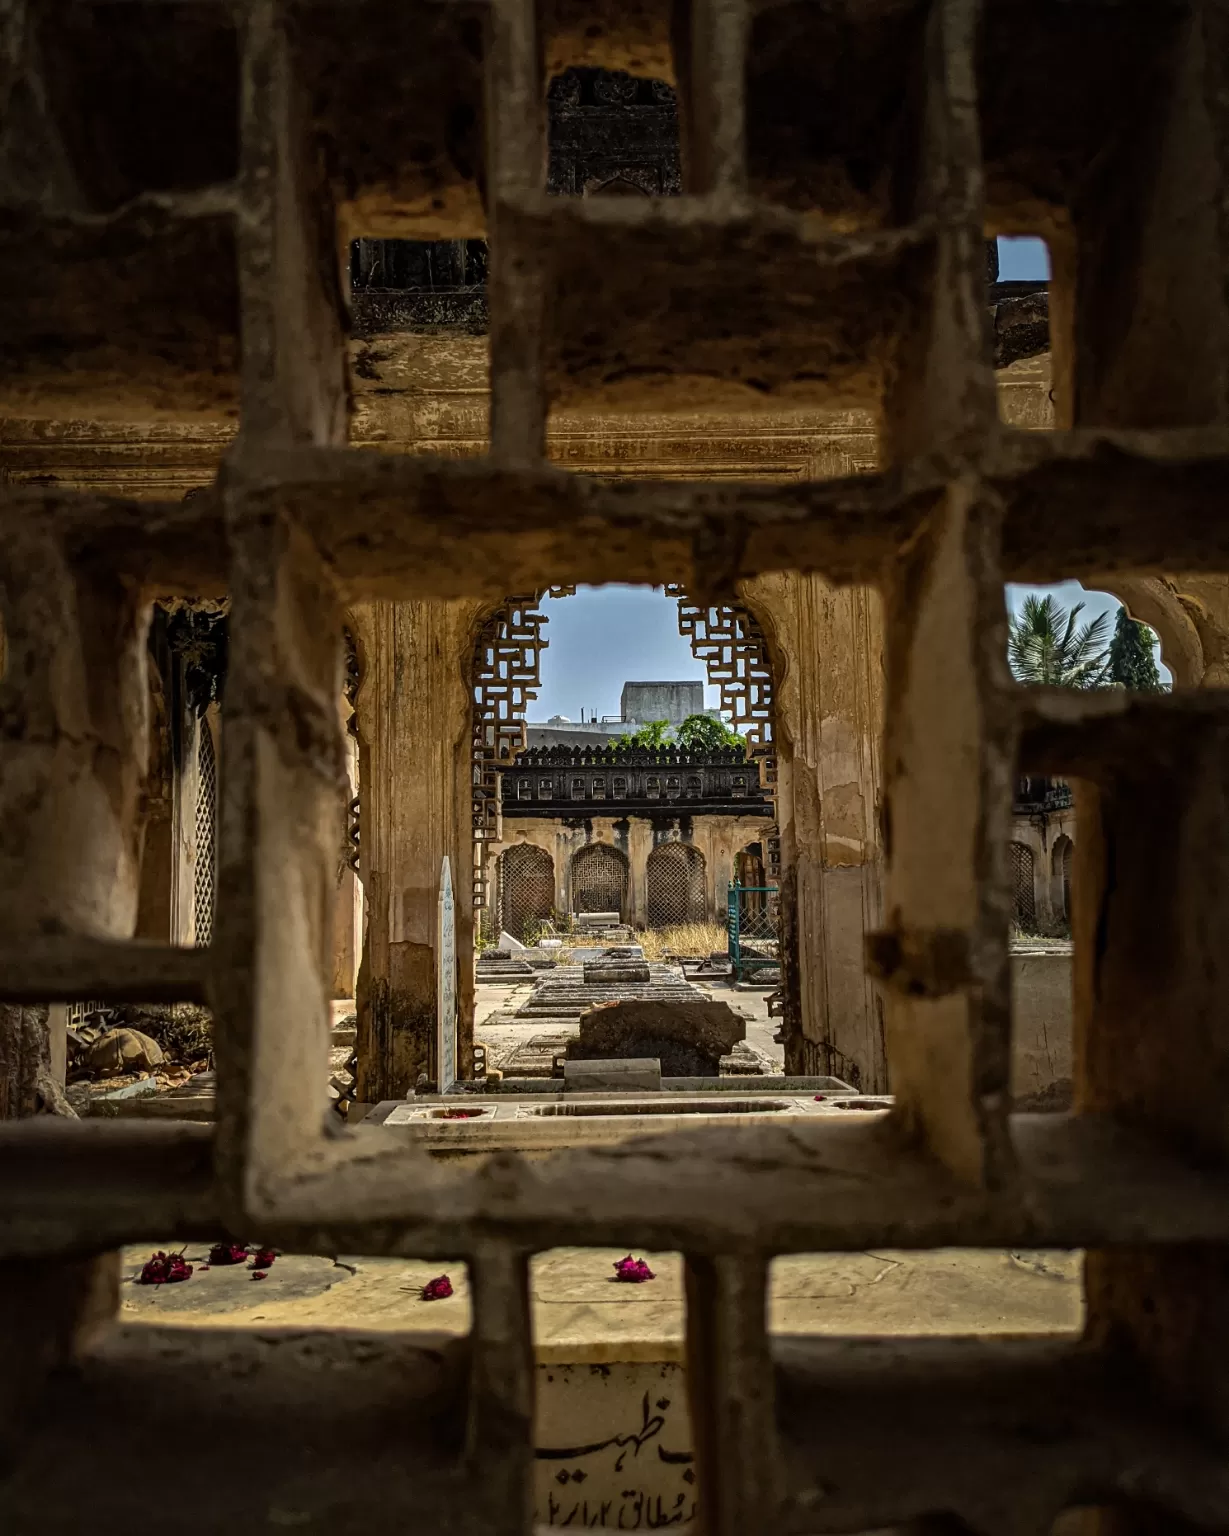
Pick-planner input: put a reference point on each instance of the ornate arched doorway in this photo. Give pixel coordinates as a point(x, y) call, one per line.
point(206, 833)
point(526, 888)
point(1024, 902)
point(674, 875)
point(599, 879)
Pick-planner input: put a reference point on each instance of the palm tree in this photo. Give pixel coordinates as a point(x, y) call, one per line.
point(1048, 646)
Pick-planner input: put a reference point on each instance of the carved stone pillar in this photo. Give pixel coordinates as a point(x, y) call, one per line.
point(414, 727)
point(639, 846)
point(827, 652)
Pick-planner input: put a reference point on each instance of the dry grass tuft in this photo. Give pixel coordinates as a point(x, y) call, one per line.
point(686, 939)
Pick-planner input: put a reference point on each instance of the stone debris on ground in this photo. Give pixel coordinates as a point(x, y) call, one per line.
point(120, 1051)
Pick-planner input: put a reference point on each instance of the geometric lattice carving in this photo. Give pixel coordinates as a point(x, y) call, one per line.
point(506, 675)
point(599, 879)
point(675, 879)
point(1024, 909)
point(206, 833)
point(731, 645)
point(526, 888)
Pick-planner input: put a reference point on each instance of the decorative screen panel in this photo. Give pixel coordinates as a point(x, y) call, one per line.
point(1024, 901)
point(599, 879)
point(674, 876)
point(526, 888)
point(204, 880)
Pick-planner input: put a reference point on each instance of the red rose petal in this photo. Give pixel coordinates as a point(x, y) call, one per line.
point(634, 1271)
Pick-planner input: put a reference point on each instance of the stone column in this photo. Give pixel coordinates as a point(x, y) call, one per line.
point(414, 727)
point(639, 845)
point(726, 836)
point(827, 651)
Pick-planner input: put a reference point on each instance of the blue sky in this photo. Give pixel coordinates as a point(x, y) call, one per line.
point(1023, 259)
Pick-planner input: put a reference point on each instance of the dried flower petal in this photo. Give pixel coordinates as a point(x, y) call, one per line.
point(263, 1258)
point(438, 1289)
point(460, 1114)
point(632, 1270)
point(259, 1274)
point(228, 1253)
point(164, 1269)
point(820, 1097)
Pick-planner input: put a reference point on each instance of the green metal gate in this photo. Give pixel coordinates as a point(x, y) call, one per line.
point(753, 927)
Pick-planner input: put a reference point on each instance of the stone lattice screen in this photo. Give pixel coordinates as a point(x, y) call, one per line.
point(844, 164)
point(599, 879)
point(526, 884)
point(674, 885)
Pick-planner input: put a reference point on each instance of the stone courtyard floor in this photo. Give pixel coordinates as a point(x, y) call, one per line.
point(581, 1313)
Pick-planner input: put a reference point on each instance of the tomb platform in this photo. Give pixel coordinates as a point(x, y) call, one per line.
point(538, 1116)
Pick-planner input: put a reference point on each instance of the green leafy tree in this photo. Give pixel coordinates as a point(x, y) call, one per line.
point(655, 733)
point(1047, 645)
point(703, 733)
point(1132, 656)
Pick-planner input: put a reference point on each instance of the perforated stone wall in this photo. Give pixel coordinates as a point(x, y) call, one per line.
point(176, 180)
point(526, 879)
point(675, 879)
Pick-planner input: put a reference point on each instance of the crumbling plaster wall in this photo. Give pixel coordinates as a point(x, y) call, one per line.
point(827, 652)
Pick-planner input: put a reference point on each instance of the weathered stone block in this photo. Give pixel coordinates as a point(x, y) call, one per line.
point(688, 1038)
point(633, 973)
point(628, 1074)
point(123, 1050)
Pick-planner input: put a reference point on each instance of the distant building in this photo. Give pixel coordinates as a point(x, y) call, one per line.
point(642, 703)
point(639, 704)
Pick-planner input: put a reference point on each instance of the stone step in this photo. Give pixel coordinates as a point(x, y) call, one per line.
point(566, 1002)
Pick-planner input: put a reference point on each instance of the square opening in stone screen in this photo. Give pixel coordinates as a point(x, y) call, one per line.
point(419, 348)
point(1018, 277)
point(933, 1293)
point(252, 1284)
point(662, 307)
point(612, 1437)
